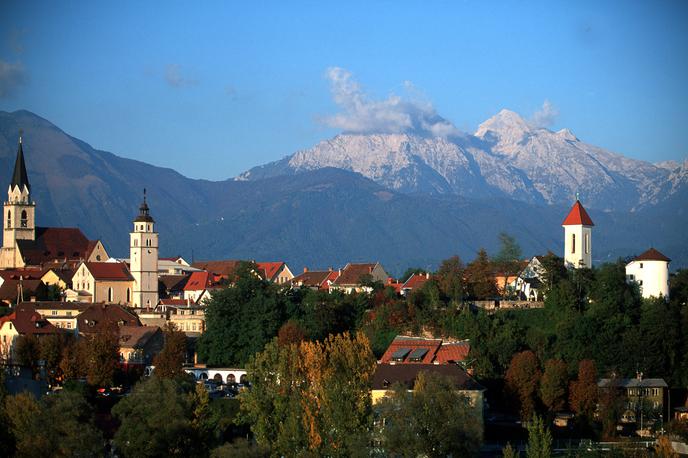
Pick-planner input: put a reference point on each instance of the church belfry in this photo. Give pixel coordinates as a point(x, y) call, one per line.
point(578, 237)
point(143, 260)
point(19, 210)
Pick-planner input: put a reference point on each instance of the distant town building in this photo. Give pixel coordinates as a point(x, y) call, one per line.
point(143, 258)
point(650, 271)
point(356, 277)
point(578, 238)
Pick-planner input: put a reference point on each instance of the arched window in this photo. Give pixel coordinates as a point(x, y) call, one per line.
point(9, 219)
point(109, 294)
point(218, 378)
point(231, 379)
point(24, 219)
point(573, 243)
point(243, 379)
point(587, 243)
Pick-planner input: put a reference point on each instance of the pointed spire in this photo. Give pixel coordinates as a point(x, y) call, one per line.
point(20, 178)
point(144, 211)
point(578, 216)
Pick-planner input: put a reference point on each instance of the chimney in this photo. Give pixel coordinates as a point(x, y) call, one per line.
point(427, 275)
point(305, 269)
point(329, 269)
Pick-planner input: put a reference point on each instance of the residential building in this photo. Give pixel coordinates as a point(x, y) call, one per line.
point(104, 317)
point(138, 345)
point(62, 315)
point(109, 282)
point(315, 279)
point(172, 286)
point(23, 321)
point(17, 285)
point(650, 271)
point(355, 277)
point(414, 282)
point(639, 395)
point(276, 272)
point(421, 350)
point(59, 276)
point(201, 285)
point(578, 238)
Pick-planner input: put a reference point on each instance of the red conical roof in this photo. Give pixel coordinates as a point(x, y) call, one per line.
point(652, 255)
point(578, 216)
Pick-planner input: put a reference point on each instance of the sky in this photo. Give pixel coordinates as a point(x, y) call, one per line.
point(212, 89)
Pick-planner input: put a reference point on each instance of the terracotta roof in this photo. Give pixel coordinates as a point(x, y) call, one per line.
point(136, 336)
point(26, 320)
point(226, 268)
point(395, 285)
point(415, 281)
point(173, 302)
point(202, 280)
point(577, 216)
point(109, 271)
point(100, 316)
point(312, 278)
point(452, 352)
point(386, 375)
point(352, 273)
point(652, 255)
point(54, 243)
point(401, 343)
point(269, 269)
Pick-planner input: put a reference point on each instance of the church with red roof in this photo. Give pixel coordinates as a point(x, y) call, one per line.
point(578, 237)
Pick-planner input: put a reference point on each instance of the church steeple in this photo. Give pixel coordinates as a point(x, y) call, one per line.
point(144, 212)
point(20, 179)
point(20, 211)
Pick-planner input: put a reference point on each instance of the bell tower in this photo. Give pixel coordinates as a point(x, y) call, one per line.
point(578, 238)
point(19, 210)
point(143, 258)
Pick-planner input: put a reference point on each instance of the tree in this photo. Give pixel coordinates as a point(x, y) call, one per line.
point(480, 277)
point(72, 363)
point(583, 391)
point(156, 420)
point(434, 420)
point(260, 304)
point(60, 425)
point(509, 452)
point(311, 397)
point(450, 279)
point(554, 385)
point(522, 379)
point(169, 363)
point(51, 350)
point(290, 333)
point(27, 351)
point(509, 250)
point(539, 439)
point(100, 357)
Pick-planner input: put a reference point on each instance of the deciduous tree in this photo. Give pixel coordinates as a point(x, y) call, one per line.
point(554, 385)
point(583, 391)
point(169, 363)
point(522, 379)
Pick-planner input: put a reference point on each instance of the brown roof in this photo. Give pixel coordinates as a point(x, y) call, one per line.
point(26, 320)
point(652, 255)
point(312, 278)
point(226, 268)
point(352, 273)
point(109, 271)
point(9, 289)
point(59, 305)
point(387, 375)
point(136, 336)
point(173, 282)
point(55, 244)
point(100, 316)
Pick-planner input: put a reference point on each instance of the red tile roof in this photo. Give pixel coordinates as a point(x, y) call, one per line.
point(577, 216)
point(452, 352)
point(109, 271)
point(174, 302)
point(269, 269)
point(416, 281)
point(55, 243)
point(438, 352)
point(26, 320)
point(199, 281)
point(352, 273)
point(225, 268)
point(652, 255)
point(314, 278)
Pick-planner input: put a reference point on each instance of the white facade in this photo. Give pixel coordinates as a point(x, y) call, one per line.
point(652, 277)
point(578, 246)
point(143, 258)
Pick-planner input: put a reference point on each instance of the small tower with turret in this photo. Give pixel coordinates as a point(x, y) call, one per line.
point(578, 238)
point(144, 258)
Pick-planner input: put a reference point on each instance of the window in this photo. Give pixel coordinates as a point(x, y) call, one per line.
point(128, 295)
point(573, 243)
point(69, 325)
point(9, 219)
point(148, 227)
point(69, 313)
point(24, 219)
point(587, 243)
point(109, 294)
point(641, 265)
point(136, 243)
point(54, 312)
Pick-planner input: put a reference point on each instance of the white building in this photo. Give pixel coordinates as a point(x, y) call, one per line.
point(578, 238)
point(651, 271)
point(144, 259)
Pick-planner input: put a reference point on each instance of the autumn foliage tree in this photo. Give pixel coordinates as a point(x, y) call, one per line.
point(480, 277)
point(583, 391)
point(522, 379)
point(100, 357)
point(170, 361)
point(554, 385)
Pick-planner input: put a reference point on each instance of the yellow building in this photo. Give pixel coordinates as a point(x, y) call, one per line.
point(109, 282)
point(62, 315)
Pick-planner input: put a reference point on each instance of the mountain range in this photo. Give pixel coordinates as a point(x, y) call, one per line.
point(402, 199)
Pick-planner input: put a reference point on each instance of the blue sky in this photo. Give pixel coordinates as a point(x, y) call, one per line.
point(214, 88)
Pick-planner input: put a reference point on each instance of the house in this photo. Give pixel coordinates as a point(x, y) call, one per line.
point(386, 376)
point(414, 282)
point(395, 285)
point(62, 315)
point(172, 286)
point(226, 269)
point(650, 270)
point(23, 321)
point(189, 319)
point(529, 283)
point(175, 266)
point(138, 345)
point(110, 282)
point(16, 285)
point(639, 394)
point(102, 317)
point(276, 272)
point(355, 277)
point(59, 276)
point(420, 350)
point(201, 285)
point(315, 279)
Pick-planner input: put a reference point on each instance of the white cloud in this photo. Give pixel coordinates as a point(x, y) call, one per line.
point(12, 76)
point(395, 114)
point(545, 116)
point(174, 77)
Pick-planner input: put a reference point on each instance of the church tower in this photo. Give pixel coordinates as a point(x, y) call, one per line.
point(578, 238)
point(144, 258)
point(19, 210)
